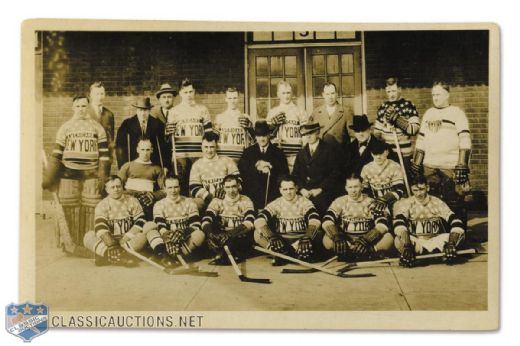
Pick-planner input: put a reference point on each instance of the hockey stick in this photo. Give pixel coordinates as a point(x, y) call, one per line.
point(400, 155)
point(63, 231)
point(368, 264)
point(174, 156)
point(241, 276)
point(267, 188)
point(128, 146)
point(310, 270)
point(160, 154)
point(309, 265)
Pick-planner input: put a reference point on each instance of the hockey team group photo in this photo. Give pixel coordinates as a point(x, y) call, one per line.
point(263, 170)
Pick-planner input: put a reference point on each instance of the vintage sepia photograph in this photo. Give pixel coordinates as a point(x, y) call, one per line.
point(260, 175)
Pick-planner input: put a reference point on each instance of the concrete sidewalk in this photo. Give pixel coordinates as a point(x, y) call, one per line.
point(68, 283)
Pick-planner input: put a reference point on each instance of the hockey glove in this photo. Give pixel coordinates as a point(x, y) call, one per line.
point(461, 174)
point(278, 119)
point(244, 122)
point(378, 206)
point(341, 247)
point(277, 244)
point(178, 236)
point(407, 258)
point(170, 129)
point(391, 114)
point(114, 253)
point(305, 250)
point(52, 174)
point(450, 252)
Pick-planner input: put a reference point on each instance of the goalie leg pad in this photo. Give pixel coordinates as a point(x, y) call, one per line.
point(90, 197)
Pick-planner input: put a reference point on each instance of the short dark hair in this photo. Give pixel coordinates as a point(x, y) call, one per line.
point(354, 176)
point(232, 90)
point(329, 83)
point(442, 84)
point(379, 148)
point(79, 97)
point(113, 177)
point(210, 136)
point(392, 81)
point(172, 176)
point(231, 177)
point(419, 180)
point(97, 84)
point(286, 177)
point(186, 82)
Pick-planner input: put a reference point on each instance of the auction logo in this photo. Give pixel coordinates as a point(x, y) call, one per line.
point(27, 321)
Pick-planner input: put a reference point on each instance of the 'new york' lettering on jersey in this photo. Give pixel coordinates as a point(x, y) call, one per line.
point(288, 134)
point(80, 143)
point(231, 213)
point(192, 121)
point(117, 216)
point(176, 214)
point(383, 179)
point(233, 137)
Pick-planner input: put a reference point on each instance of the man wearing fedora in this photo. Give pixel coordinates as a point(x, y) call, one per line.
point(260, 167)
point(317, 169)
point(166, 97)
point(358, 151)
point(142, 126)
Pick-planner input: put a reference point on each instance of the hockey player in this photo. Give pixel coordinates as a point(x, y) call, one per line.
point(234, 128)
point(207, 174)
point(285, 120)
point(165, 96)
point(118, 220)
point(229, 221)
point(79, 164)
point(177, 219)
point(142, 179)
point(351, 228)
point(399, 115)
point(188, 121)
point(290, 220)
point(424, 223)
point(383, 179)
point(443, 150)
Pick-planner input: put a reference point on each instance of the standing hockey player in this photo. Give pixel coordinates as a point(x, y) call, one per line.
point(165, 96)
point(229, 221)
point(351, 228)
point(383, 178)
point(177, 219)
point(285, 120)
point(79, 164)
point(424, 223)
point(208, 173)
point(399, 115)
point(187, 122)
point(142, 179)
point(260, 167)
point(234, 127)
point(443, 149)
point(290, 220)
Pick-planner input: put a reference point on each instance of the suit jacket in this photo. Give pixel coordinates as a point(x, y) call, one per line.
point(355, 162)
point(255, 182)
point(334, 129)
point(321, 170)
point(130, 128)
point(157, 113)
point(106, 119)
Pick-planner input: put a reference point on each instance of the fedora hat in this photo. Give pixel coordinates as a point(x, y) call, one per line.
point(360, 123)
point(143, 103)
point(262, 128)
point(166, 88)
point(309, 128)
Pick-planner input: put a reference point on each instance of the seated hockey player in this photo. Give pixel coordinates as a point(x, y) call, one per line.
point(382, 179)
point(208, 172)
point(142, 179)
point(290, 221)
point(424, 223)
point(118, 220)
point(177, 220)
point(229, 221)
point(351, 229)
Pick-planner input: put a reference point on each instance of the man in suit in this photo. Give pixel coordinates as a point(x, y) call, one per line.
point(101, 114)
point(358, 151)
point(166, 96)
point(332, 117)
point(142, 126)
point(260, 167)
point(317, 169)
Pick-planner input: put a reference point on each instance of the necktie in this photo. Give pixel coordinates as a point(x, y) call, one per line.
point(143, 126)
point(362, 147)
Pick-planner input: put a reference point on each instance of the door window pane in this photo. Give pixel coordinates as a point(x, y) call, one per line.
point(332, 64)
point(347, 85)
point(317, 85)
point(335, 80)
point(276, 66)
point(290, 66)
point(318, 64)
point(262, 87)
point(347, 63)
point(262, 66)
